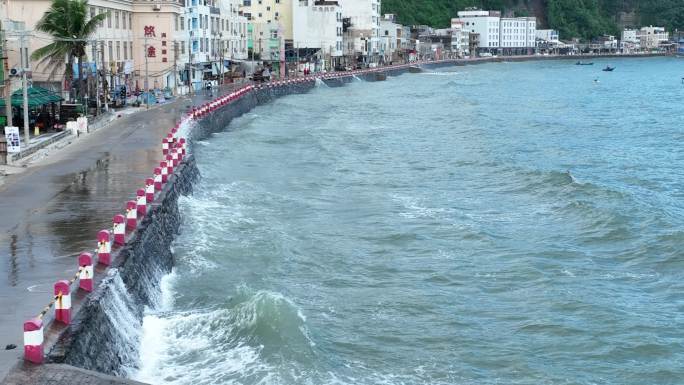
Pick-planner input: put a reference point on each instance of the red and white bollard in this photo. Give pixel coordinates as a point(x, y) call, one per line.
point(181, 141)
point(141, 202)
point(63, 302)
point(119, 229)
point(164, 171)
point(157, 178)
point(33, 340)
point(174, 157)
point(165, 146)
point(149, 190)
point(104, 245)
point(131, 215)
point(169, 164)
point(85, 275)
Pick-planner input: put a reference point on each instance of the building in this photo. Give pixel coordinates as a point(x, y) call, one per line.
point(486, 24)
point(155, 33)
point(651, 37)
point(547, 35)
point(518, 35)
point(272, 27)
point(460, 38)
point(497, 35)
point(390, 40)
point(630, 42)
point(317, 32)
point(362, 33)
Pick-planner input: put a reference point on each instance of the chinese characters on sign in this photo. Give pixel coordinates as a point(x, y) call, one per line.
point(151, 52)
point(149, 31)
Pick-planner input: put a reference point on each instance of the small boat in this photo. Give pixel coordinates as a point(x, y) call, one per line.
point(579, 63)
point(608, 69)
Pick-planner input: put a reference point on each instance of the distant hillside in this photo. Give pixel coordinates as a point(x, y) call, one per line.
point(573, 18)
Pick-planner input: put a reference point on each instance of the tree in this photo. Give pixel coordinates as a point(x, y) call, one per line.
point(68, 23)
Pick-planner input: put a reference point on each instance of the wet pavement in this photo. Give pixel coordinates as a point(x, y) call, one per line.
point(51, 213)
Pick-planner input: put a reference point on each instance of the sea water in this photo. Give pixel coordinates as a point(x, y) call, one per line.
point(506, 223)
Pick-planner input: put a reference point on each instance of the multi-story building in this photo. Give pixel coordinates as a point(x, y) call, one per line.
point(317, 26)
point(362, 36)
point(268, 17)
point(110, 51)
point(484, 23)
point(390, 41)
point(548, 35)
point(155, 32)
point(518, 35)
point(629, 41)
point(459, 38)
point(652, 37)
point(497, 35)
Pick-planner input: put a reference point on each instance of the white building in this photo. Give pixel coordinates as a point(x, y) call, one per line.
point(317, 24)
point(390, 42)
point(651, 37)
point(460, 38)
point(484, 23)
point(548, 35)
point(363, 36)
point(509, 36)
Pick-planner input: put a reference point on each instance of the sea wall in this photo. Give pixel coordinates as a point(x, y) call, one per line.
point(103, 336)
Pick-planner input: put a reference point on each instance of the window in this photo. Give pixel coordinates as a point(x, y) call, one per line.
point(99, 12)
point(182, 23)
point(125, 49)
point(130, 47)
point(182, 45)
point(247, 3)
point(92, 12)
point(111, 51)
point(109, 20)
point(116, 19)
point(175, 22)
point(164, 43)
point(118, 50)
point(130, 22)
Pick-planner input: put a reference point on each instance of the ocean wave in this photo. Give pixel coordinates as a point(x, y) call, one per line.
point(247, 337)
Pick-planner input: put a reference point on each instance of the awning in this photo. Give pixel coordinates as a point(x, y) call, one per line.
point(37, 96)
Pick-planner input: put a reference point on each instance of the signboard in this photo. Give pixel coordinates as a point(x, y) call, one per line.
point(13, 139)
point(82, 123)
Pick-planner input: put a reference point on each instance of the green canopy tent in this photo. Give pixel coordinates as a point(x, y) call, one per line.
point(37, 96)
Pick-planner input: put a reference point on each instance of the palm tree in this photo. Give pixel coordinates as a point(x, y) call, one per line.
point(68, 24)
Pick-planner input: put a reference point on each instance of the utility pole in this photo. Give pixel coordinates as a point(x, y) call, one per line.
point(104, 78)
point(7, 92)
point(24, 80)
point(98, 109)
point(147, 76)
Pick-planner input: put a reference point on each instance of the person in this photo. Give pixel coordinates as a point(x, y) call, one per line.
point(266, 74)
